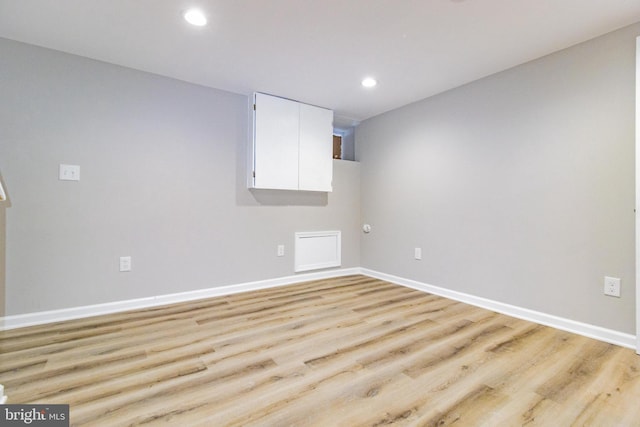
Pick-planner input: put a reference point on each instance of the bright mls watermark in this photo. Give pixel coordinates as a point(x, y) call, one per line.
point(34, 415)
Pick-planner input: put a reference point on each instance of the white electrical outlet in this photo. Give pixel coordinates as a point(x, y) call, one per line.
point(125, 263)
point(280, 250)
point(612, 286)
point(417, 253)
point(69, 173)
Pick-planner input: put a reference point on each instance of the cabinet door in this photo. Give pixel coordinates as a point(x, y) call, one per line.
point(275, 150)
point(315, 167)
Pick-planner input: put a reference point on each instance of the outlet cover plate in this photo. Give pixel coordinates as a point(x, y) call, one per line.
point(612, 286)
point(125, 263)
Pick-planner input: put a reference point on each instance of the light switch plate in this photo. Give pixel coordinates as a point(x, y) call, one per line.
point(69, 173)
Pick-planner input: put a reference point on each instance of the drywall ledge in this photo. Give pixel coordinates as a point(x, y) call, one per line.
point(42, 317)
point(584, 329)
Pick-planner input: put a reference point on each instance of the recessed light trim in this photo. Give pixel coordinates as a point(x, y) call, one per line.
point(195, 17)
point(369, 82)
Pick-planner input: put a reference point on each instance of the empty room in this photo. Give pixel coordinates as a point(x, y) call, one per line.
point(319, 213)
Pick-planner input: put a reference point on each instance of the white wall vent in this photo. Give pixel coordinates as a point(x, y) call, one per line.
point(317, 249)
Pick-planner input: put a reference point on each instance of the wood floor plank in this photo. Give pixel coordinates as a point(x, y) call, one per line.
point(348, 351)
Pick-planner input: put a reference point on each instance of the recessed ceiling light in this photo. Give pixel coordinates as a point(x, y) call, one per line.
point(369, 82)
point(195, 17)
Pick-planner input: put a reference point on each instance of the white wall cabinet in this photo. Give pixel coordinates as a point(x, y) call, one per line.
point(292, 145)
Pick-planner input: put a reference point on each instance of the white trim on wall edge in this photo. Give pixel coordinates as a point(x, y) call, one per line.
point(585, 329)
point(42, 317)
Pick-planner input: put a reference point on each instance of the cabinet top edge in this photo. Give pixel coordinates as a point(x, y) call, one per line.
point(288, 99)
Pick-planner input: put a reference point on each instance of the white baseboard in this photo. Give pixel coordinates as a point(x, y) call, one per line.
point(585, 329)
point(42, 317)
point(591, 331)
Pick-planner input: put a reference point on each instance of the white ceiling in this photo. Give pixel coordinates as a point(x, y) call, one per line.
point(317, 51)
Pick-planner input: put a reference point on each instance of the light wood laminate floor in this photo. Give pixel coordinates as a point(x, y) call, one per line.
point(351, 351)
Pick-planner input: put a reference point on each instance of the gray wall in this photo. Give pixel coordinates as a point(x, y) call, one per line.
point(348, 144)
point(518, 187)
point(162, 179)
